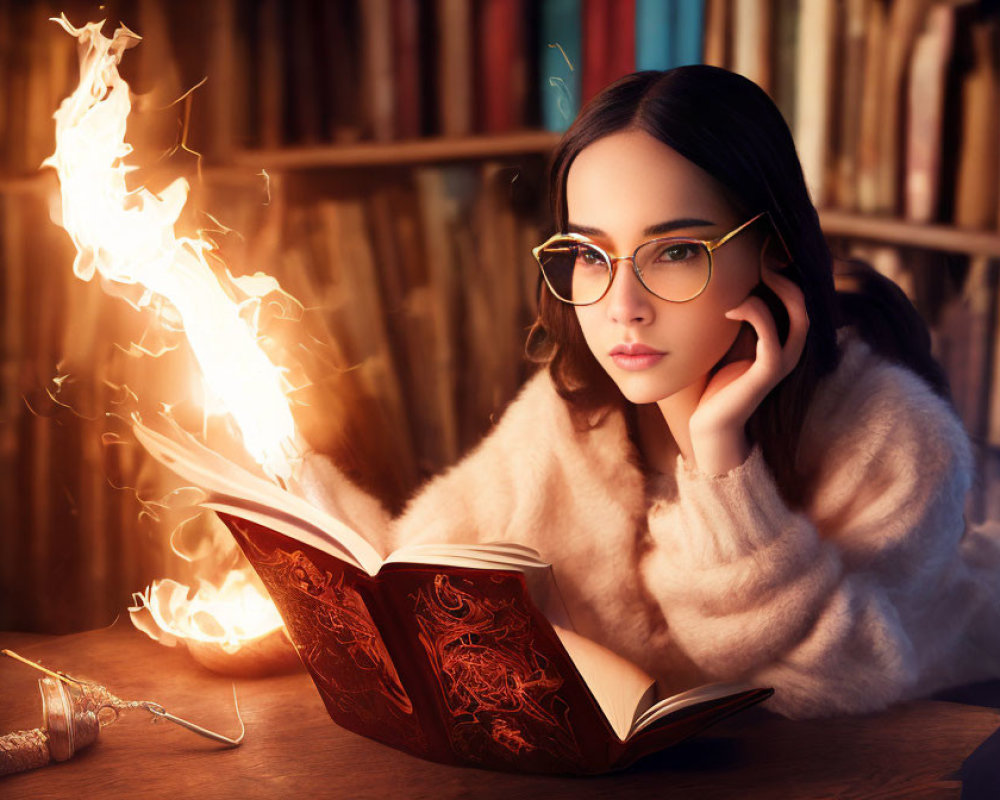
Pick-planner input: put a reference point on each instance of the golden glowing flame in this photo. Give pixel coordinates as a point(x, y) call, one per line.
point(127, 236)
point(226, 615)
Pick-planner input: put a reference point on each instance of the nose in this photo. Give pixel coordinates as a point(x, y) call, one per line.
point(628, 302)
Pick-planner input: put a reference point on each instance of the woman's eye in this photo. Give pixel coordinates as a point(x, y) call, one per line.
point(676, 252)
point(588, 257)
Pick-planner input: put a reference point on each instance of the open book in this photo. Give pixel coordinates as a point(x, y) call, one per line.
point(457, 653)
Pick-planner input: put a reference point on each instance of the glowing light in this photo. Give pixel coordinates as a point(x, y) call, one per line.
point(226, 615)
point(127, 237)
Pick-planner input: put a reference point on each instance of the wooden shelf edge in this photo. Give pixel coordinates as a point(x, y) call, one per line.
point(412, 151)
point(910, 234)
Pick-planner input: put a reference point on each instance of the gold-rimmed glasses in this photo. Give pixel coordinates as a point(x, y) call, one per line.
point(675, 269)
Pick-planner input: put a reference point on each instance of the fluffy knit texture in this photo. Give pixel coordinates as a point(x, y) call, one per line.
point(875, 591)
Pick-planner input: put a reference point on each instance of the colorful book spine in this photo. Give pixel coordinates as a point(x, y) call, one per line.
point(407, 77)
point(926, 96)
point(597, 46)
point(560, 62)
point(502, 65)
point(622, 36)
point(689, 32)
point(654, 39)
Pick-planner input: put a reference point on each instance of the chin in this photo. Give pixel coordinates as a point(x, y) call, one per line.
point(642, 389)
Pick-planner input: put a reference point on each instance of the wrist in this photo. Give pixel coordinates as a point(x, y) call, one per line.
point(719, 452)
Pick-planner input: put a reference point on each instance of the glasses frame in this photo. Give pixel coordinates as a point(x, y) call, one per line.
point(710, 245)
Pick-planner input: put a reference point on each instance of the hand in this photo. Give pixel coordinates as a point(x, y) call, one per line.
point(732, 395)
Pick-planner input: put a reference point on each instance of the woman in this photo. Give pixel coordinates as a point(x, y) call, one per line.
point(729, 480)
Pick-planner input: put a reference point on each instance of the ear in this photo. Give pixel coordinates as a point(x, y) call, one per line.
point(773, 254)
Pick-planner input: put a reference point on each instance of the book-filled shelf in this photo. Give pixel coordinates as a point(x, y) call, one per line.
point(386, 161)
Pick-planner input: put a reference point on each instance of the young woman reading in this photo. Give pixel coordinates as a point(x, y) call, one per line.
point(736, 472)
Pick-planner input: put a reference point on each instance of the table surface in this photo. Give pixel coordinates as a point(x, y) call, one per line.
point(293, 748)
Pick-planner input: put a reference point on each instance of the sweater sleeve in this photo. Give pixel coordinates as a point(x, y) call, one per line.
point(833, 606)
point(500, 490)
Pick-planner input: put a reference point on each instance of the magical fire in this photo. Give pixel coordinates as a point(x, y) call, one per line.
point(127, 237)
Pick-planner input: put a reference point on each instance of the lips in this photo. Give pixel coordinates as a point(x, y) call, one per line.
point(635, 349)
point(635, 356)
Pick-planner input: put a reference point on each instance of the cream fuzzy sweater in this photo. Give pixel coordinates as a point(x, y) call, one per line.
point(875, 592)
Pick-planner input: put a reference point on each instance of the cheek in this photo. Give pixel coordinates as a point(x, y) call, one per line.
point(589, 322)
point(703, 334)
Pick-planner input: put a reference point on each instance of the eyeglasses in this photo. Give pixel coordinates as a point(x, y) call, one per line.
point(677, 270)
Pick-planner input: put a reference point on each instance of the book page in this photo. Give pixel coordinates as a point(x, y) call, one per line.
point(237, 491)
point(621, 688)
point(699, 694)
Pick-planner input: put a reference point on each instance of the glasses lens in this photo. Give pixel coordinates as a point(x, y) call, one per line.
point(674, 269)
point(576, 273)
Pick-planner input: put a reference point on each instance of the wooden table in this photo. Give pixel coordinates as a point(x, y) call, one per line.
point(293, 749)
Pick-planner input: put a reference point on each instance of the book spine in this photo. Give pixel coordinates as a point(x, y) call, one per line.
point(11, 498)
point(621, 60)
point(455, 67)
point(689, 32)
point(559, 62)
point(872, 101)
point(501, 67)
point(786, 45)
point(817, 26)
point(718, 24)
point(376, 25)
point(752, 41)
point(925, 114)
point(655, 21)
point(976, 185)
point(851, 89)
point(407, 67)
point(596, 46)
point(270, 76)
point(903, 24)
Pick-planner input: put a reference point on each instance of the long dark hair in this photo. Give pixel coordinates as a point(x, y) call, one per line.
point(728, 126)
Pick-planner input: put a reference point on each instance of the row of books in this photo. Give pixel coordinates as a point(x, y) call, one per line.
point(418, 295)
point(421, 289)
point(893, 104)
point(73, 547)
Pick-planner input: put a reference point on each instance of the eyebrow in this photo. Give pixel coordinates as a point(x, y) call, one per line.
point(653, 230)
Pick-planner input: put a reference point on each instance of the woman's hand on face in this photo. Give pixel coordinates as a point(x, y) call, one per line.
point(732, 395)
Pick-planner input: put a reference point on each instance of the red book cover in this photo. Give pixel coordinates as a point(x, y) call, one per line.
point(452, 664)
point(501, 65)
point(458, 653)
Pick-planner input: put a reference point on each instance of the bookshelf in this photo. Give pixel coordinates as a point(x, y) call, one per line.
point(375, 164)
point(407, 152)
point(885, 230)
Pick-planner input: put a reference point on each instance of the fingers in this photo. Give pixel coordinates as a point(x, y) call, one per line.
point(777, 360)
point(755, 311)
point(795, 303)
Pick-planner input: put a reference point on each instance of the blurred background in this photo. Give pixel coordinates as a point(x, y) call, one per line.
point(385, 160)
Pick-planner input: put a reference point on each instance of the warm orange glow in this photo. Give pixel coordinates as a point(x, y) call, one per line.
point(225, 615)
point(127, 237)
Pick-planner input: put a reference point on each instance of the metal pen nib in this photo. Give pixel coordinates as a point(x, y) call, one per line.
point(101, 699)
point(157, 710)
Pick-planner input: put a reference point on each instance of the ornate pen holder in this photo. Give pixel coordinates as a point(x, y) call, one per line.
point(73, 713)
point(69, 723)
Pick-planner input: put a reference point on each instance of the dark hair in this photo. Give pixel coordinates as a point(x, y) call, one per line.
point(728, 126)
